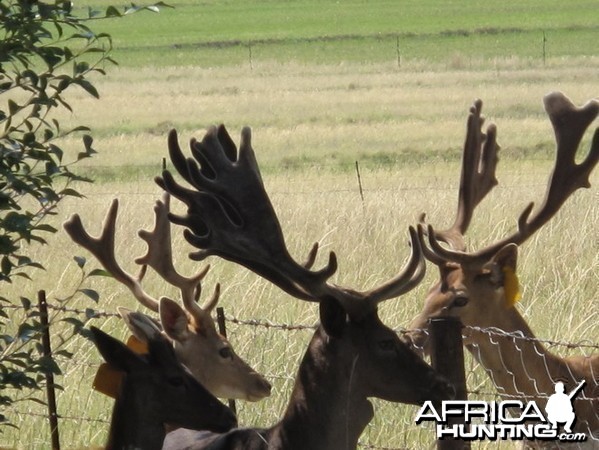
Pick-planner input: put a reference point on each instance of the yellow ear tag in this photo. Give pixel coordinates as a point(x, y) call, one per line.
point(511, 287)
point(108, 379)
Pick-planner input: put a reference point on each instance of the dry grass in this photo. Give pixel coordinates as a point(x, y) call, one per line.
point(316, 113)
point(319, 113)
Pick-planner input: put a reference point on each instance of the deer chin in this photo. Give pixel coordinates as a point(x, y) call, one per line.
point(256, 396)
point(365, 410)
point(260, 391)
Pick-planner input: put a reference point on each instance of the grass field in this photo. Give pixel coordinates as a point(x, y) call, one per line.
point(322, 90)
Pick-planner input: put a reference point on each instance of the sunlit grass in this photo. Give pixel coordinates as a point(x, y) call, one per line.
point(310, 124)
point(557, 270)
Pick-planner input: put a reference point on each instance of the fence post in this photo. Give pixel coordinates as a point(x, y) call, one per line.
point(447, 358)
point(222, 329)
point(47, 349)
point(359, 182)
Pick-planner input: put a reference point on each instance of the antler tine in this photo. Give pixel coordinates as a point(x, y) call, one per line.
point(102, 248)
point(477, 179)
point(159, 257)
point(407, 279)
point(569, 124)
point(230, 214)
point(429, 254)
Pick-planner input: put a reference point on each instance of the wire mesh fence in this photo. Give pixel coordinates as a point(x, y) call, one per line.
point(492, 335)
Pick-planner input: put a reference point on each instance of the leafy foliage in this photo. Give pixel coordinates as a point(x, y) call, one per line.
point(45, 52)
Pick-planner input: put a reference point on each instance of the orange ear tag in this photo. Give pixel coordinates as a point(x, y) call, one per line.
point(511, 287)
point(137, 346)
point(108, 380)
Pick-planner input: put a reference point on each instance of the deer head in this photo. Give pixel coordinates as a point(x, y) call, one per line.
point(198, 345)
point(229, 214)
point(156, 390)
point(481, 286)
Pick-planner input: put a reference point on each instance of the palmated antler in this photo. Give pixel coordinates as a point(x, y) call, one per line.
point(159, 256)
point(569, 124)
point(479, 162)
point(230, 215)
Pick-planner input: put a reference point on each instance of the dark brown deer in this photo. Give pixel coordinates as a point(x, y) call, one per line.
point(352, 355)
point(198, 345)
point(480, 287)
point(156, 390)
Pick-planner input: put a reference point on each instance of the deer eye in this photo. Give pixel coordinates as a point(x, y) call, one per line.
point(226, 353)
point(459, 301)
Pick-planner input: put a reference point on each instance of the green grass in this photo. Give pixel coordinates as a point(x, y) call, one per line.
point(212, 34)
point(324, 90)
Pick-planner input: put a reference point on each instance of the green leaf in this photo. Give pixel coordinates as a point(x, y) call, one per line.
point(99, 273)
point(80, 260)
point(91, 294)
point(26, 303)
point(80, 67)
point(46, 227)
point(71, 193)
point(111, 11)
point(87, 142)
point(91, 313)
point(6, 265)
point(90, 88)
point(13, 108)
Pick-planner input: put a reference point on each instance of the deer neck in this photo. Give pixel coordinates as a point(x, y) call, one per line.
point(326, 409)
point(134, 424)
point(515, 364)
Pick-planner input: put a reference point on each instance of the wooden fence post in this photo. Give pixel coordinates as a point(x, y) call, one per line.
point(222, 329)
point(447, 358)
point(360, 182)
point(47, 349)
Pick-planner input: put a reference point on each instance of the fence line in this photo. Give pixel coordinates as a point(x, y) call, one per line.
point(266, 324)
point(91, 313)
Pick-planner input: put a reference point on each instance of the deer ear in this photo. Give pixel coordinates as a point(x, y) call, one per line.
point(141, 326)
point(115, 352)
point(333, 317)
point(174, 320)
point(507, 257)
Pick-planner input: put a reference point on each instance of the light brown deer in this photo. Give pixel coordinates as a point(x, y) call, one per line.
point(352, 355)
point(156, 390)
point(478, 287)
point(198, 345)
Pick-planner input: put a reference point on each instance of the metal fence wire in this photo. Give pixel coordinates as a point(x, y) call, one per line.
point(493, 335)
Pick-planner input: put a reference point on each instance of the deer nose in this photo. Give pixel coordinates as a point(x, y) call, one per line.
point(443, 388)
point(229, 421)
point(261, 389)
point(264, 386)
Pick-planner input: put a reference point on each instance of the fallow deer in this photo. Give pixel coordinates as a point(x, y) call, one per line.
point(480, 287)
point(156, 390)
point(352, 355)
point(198, 345)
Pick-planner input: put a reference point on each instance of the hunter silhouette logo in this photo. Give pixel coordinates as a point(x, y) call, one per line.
point(509, 419)
point(559, 407)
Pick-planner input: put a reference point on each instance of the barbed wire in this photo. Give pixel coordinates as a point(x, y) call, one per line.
point(92, 313)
